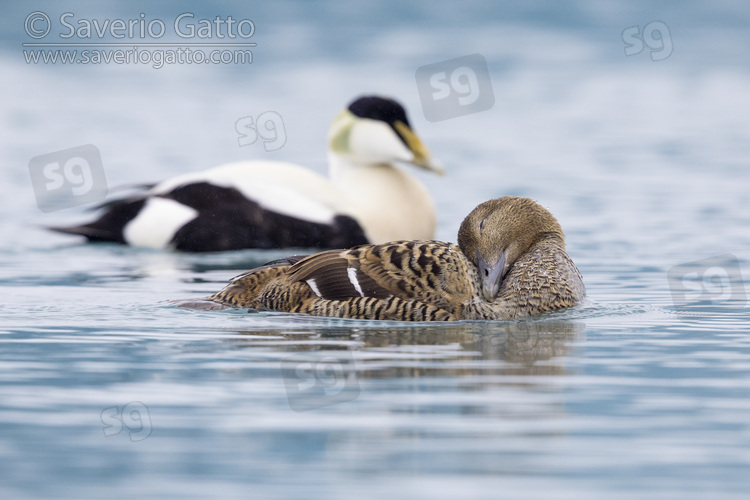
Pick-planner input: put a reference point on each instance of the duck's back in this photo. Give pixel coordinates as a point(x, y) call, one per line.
point(231, 207)
point(407, 281)
point(280, 187)
point(402, 281)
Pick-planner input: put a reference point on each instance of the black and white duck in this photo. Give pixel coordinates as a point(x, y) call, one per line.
point(266, 204)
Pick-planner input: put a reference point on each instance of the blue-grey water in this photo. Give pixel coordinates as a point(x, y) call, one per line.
point(108, 391)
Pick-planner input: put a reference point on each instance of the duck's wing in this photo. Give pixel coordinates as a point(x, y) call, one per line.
point(431, 272)
point(403, 281)
point(259, 288)
point(284, 262)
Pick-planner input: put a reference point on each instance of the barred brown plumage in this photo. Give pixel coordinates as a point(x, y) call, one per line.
point(510, 262)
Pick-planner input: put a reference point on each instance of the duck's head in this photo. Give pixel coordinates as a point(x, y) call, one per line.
point(497, 232)
point(375, 129)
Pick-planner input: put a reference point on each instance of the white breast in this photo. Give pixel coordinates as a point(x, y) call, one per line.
point(389, 203)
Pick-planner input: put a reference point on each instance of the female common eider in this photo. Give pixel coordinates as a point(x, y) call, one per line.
point(264, 204)
point(510, 262)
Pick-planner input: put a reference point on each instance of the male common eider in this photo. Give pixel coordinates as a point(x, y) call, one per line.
point(264, 204)
point(510, 262)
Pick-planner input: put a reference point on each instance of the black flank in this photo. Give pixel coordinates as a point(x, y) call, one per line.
point(229, 221)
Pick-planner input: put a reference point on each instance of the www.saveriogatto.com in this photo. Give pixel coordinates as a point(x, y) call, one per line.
point(156, 42)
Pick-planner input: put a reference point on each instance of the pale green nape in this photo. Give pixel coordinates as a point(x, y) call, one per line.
point(341, 128)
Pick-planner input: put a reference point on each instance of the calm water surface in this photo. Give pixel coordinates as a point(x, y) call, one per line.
point(107, 390)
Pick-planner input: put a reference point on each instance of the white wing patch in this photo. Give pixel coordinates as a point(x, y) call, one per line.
point(157, 222)
point(352, 273)
point(311, 283)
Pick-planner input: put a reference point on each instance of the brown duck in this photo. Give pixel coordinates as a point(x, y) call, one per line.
point(510, 262)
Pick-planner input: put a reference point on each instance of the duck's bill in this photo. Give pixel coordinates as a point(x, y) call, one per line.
point(421, 154)
point(492, 276)
point(431, 164)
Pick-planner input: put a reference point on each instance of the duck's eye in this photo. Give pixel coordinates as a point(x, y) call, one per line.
point(481, 224)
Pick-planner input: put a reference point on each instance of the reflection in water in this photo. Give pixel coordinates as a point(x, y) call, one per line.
point(457, 349)
point(444, 394)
